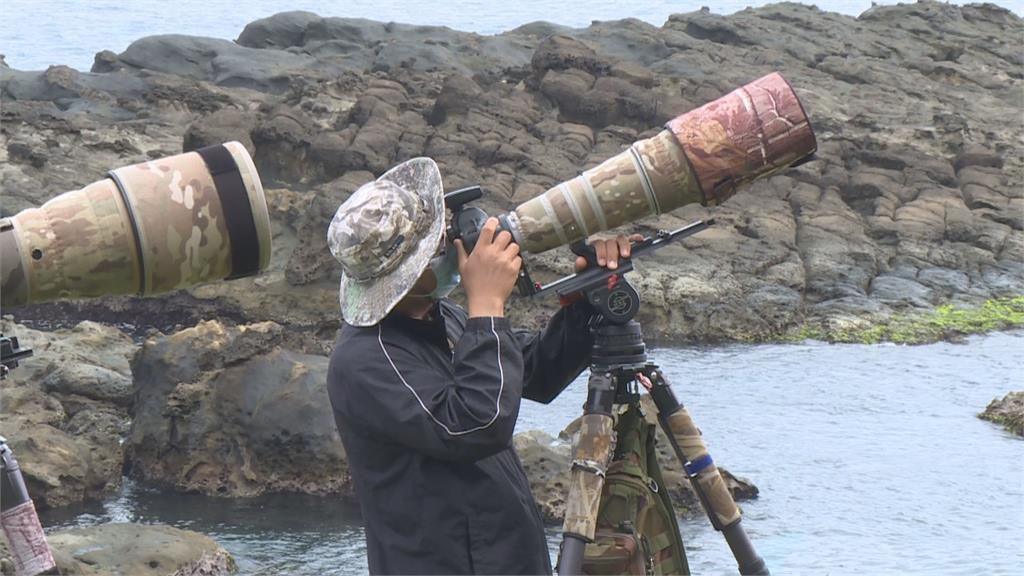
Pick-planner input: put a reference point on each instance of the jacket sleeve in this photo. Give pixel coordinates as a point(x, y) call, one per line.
point(466, 414)
point(554, 357)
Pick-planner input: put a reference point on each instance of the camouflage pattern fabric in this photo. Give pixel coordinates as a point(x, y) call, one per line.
point(147, 229)
point(384, 235)
point(635, 507)
point(704, 155)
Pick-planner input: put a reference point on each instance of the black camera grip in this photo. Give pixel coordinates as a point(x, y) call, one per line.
point(582, 248)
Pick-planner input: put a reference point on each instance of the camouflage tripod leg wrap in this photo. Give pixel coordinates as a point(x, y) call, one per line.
point(18, 518)
point(590, 460)
point(707, 481)
point(690, 448)
point(591, 455)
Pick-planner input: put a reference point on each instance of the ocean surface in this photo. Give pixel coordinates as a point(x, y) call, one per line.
point(870, 460)
point(35, 34)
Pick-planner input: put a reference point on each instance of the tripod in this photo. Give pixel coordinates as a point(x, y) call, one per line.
point(618, 362)
point(18, 519)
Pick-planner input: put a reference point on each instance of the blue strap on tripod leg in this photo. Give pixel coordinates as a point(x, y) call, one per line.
point(695, 467)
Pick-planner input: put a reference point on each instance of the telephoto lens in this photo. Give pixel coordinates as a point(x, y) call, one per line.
point(704, 155)
point(146, 229)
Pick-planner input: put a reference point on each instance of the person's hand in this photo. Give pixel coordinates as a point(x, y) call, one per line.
point(490, 272)
point(609, 250)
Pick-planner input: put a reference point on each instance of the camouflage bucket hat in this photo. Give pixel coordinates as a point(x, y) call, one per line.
point(384, 235)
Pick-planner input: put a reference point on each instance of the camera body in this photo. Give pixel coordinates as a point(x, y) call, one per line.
point(467, 222)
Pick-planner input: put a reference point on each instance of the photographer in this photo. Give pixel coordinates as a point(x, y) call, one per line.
point(426, 394)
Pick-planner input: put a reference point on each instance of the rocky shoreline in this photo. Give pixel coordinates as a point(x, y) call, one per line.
point(914, 205)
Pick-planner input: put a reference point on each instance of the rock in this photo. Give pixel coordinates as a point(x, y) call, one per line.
point(916, 179)
point(221, 126)
point(64, 411)
point(281, 138)
point(137, 549)
point(94, 382)
point(900, 292)
point(283, 30)
point(558, 52)
point(219, 61)
point(227, 412)
point(106, 61)
point(1008, 411)
point(566, 88)
point(22, 152)
point(458, 95)
point(61, 469)
point(547, 465)
point(977, 156)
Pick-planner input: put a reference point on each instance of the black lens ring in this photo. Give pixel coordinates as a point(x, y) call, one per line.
point(237, 212)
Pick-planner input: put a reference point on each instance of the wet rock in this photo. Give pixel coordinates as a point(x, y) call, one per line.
point(1008, 411)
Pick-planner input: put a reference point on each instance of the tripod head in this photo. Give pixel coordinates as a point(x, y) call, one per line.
point(608, 290)
point(619, 351)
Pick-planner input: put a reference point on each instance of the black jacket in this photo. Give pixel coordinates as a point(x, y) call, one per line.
point(427, 429)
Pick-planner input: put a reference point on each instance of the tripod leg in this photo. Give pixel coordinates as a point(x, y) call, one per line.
point(21, 528)
point(707, 482)
point(591, 455)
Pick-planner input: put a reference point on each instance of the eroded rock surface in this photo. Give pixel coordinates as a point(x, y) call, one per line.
point(915, 199)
